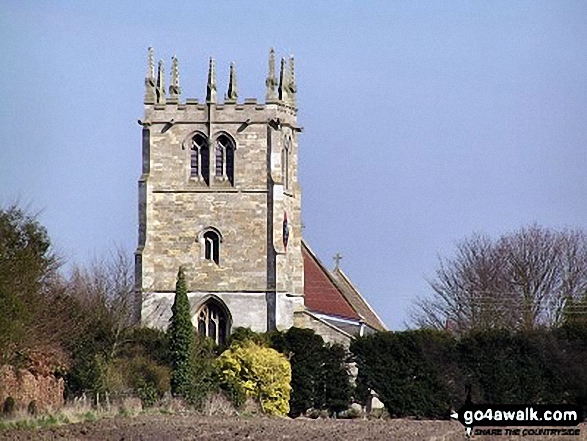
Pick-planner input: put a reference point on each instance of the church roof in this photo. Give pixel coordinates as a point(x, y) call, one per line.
point(358, 302)
point(322, 295)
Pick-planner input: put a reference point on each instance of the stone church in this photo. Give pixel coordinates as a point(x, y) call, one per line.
point(219, 195)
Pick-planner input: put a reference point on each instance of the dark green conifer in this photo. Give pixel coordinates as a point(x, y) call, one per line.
point(181, 340)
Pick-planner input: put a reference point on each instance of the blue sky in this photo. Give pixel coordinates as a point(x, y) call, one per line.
point(425, 121)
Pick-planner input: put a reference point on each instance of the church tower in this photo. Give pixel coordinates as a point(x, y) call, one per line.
point(219, 195)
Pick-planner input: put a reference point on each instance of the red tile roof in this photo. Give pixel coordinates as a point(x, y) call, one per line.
point(322, 294)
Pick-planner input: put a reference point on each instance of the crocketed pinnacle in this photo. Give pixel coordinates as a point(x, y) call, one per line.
point(232, 95)
point(292, 88)
point(271, 81)
point(283, 83)
point(160, 88)
point(211, 87)
point(174, 87)
point(150, 79)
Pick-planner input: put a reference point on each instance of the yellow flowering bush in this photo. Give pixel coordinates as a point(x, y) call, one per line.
point(258, 372)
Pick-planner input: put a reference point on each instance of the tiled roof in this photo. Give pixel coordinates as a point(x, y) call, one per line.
point(321, 292)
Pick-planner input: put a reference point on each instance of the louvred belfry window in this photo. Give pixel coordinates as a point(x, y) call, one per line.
point(219, 159)
point(225, 158)
point(205, 162)
point(198, 144)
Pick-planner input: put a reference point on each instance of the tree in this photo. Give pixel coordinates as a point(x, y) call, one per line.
point(522, 280)
point(26, 264)
point(305, 349)
point(414, 372)
point(103, 292)
point(334, 389)
point(181, 340)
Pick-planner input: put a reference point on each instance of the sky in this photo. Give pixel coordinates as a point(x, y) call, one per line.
point(424, 121)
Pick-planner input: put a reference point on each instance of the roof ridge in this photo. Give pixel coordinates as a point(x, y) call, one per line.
point(327, 323)
point(347, 280)
point(332, 280)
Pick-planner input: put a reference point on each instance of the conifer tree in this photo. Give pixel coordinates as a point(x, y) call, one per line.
point(181, 340)
point(304, 348)
point(334, 391)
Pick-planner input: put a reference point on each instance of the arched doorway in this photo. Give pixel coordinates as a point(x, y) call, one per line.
point(213, 320)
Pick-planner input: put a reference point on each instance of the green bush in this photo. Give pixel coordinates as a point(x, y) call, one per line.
point(334, 391)
point(149, 379)
point(146, 342)
point(305, 351)
point(148, 394)
point(241, 335)
point(423, 373)
point(408, 371)
point(205, 379)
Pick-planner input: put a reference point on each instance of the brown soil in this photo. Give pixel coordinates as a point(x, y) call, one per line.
point(189, 427)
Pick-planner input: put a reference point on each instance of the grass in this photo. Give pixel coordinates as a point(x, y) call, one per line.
point(68, 415)
point(85, 413)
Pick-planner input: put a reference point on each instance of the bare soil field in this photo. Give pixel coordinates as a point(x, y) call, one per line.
point(192, 427)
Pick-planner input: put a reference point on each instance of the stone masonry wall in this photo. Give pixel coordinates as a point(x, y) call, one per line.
point(328, 333)
point(174, 210)
point(24, 386)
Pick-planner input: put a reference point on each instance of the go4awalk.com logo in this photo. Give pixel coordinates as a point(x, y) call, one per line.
point(545, 419)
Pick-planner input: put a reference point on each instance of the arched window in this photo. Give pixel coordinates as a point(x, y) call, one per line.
point(225, 158)
point(213, 322)
point(212, 246)
point(198, 144)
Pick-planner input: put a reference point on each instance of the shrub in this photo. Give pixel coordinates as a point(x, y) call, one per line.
point(241, 335)
point(423, 373)
point(147, 342)
point(148, 395)
point(334, 389)
point(204, 371)
point(305, 350)
point(408, 370)
point(250, 370)
point(181, 336)
point(143, 375)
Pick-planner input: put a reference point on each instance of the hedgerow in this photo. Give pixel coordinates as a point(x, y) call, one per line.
point(424, 373)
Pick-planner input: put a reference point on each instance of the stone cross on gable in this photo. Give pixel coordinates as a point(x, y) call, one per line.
point(337, 258)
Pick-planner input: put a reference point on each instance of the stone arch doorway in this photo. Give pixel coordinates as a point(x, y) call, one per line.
point(213, 320)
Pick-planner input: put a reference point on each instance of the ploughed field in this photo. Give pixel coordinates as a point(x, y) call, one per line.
point(191, 426)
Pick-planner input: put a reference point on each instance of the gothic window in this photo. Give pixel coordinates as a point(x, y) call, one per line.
point(198, 144)
point(213, 322)
point(225, 158)
point(212, 247)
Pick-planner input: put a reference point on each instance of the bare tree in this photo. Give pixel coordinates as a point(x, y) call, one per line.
point(107, 288)
point(520, 281)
